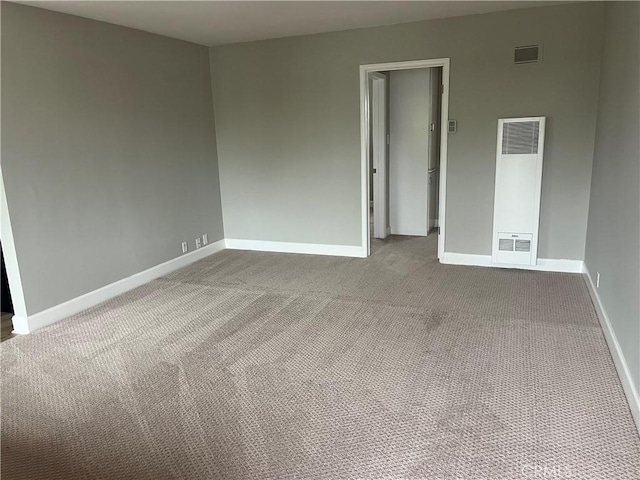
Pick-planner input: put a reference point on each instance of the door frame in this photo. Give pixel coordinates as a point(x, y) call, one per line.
point(378, 153)
point(365, 107)
point(11, 258)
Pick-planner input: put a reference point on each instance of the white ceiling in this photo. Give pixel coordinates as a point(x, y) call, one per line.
point(221, 22)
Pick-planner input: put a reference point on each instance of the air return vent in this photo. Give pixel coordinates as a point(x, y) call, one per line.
point(520, 138)
point(505, 245)
point(526, 54)
point(513, 248)
point(523, 245)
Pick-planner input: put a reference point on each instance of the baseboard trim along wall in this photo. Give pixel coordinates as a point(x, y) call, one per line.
point(633, 397)
point(544, 264)
point(27, 324)
point(23, 325)
point(306, 248)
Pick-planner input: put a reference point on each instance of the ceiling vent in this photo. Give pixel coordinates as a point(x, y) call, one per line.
point(527, 54)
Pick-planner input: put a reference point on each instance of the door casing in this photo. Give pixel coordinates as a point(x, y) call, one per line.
point(365, 107)
point(379, 154)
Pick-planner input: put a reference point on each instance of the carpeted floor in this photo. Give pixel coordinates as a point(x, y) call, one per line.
point(252, 365)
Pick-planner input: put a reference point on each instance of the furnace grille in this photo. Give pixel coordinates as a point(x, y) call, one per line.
point(520, 138)
point(523, 246)
point(505, 244)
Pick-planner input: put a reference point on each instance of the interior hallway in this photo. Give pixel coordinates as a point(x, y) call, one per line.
point(263, 365)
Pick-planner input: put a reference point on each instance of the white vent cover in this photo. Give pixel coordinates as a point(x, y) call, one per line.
point(518, 188)
point(520, 137)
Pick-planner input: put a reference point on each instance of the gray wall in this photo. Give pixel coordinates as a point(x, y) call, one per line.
point(108, 150)
point(287, 118)
point(613, 235)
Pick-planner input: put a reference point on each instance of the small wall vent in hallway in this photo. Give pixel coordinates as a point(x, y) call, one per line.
point(526, 54)
point(518, 188)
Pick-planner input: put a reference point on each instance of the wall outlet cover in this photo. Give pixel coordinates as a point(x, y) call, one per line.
point(185, 247)
point(198, 244)
point(205, 239)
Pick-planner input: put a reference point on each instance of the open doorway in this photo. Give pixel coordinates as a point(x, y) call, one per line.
point(7, 304)
point(404, 109)
point(13, 305)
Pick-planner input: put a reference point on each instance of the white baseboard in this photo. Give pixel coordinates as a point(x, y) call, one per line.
point(24, 324)
point(619, 361)
point(27, 324)
point(287, 247)
point(544, 264)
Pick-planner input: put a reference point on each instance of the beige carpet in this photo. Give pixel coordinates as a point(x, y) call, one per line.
point(272, 366)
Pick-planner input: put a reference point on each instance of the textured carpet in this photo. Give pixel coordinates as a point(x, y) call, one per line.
point(252, 365)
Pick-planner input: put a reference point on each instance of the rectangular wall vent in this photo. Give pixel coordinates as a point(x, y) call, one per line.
point(520, 138)
point(523, 246)
point(513, 247)
point(526, 54)
point(505, 245)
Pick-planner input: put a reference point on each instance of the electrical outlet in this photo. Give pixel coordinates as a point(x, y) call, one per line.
point(198, 242)
point(185, 247)
point(205, 239)
point(597, 279)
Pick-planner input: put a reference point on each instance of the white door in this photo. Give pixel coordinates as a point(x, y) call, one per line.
point(409, 151)
point(379, 155)
point(435, 82)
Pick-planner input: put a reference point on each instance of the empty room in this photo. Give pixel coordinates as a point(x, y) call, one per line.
point(320, 240)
